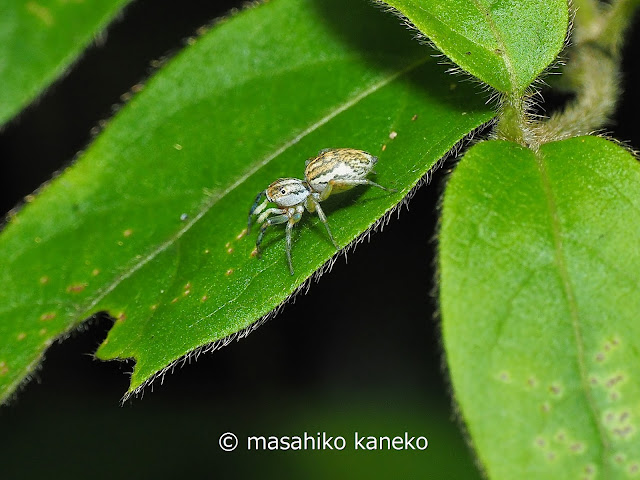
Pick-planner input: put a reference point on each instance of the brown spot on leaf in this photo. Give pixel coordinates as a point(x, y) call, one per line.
point(229, 272)
point(555, 389)
point(127, 232)
point(21, 336)
point(241, 234)
point(47, 316)
point(577, 447)
point(77, 288)
point(614, 380)
point(44, 280)
point(3, 368)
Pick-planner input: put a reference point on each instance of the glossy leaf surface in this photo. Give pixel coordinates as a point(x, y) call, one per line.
point(39, 39)
point(540, 262)
point(505, 44)
point(148, 224)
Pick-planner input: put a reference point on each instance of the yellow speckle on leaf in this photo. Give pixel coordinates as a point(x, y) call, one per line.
point(3, 367)
point(95, 272)
point(127, 232)
point(44, 280)
point(229, 272)
point(241, 234)
point(22, 336)
point(41, 12)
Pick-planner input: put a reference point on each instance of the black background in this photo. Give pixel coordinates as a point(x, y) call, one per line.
point(364, 339)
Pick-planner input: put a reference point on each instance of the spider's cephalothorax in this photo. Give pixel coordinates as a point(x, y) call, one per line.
point(334, 170)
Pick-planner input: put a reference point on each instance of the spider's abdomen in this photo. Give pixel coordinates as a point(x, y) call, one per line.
point(339, 165)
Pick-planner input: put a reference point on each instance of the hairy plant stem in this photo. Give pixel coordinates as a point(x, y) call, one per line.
point(594, 76)
point(512, 120)
point(592, 72)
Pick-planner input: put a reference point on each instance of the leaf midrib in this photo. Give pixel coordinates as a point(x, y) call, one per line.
point(497, 35)
point(501, 44)
point(573, 307)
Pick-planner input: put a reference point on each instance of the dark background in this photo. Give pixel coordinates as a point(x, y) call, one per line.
point(370, 362)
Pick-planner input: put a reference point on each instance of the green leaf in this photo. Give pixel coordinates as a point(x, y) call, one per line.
point(148, 224)
point(504, 44)
point(39, 39)
point(539, 260)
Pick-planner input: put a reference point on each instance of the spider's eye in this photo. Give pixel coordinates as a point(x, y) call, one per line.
point(283, 191)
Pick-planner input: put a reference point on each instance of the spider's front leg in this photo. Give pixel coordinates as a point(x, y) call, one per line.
point(256, 208)
point(282, 217)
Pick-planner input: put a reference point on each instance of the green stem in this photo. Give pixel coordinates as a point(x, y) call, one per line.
point(512, 120)
point(594, 75)
point(587, 12)
point(616, 21)
point(592, 71)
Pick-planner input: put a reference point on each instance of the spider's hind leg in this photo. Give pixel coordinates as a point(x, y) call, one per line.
point(314, 205)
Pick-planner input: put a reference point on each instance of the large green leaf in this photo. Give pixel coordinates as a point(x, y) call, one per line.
point(505, 44)
point(148, 224)
point(39, 40)
point(540, 262)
